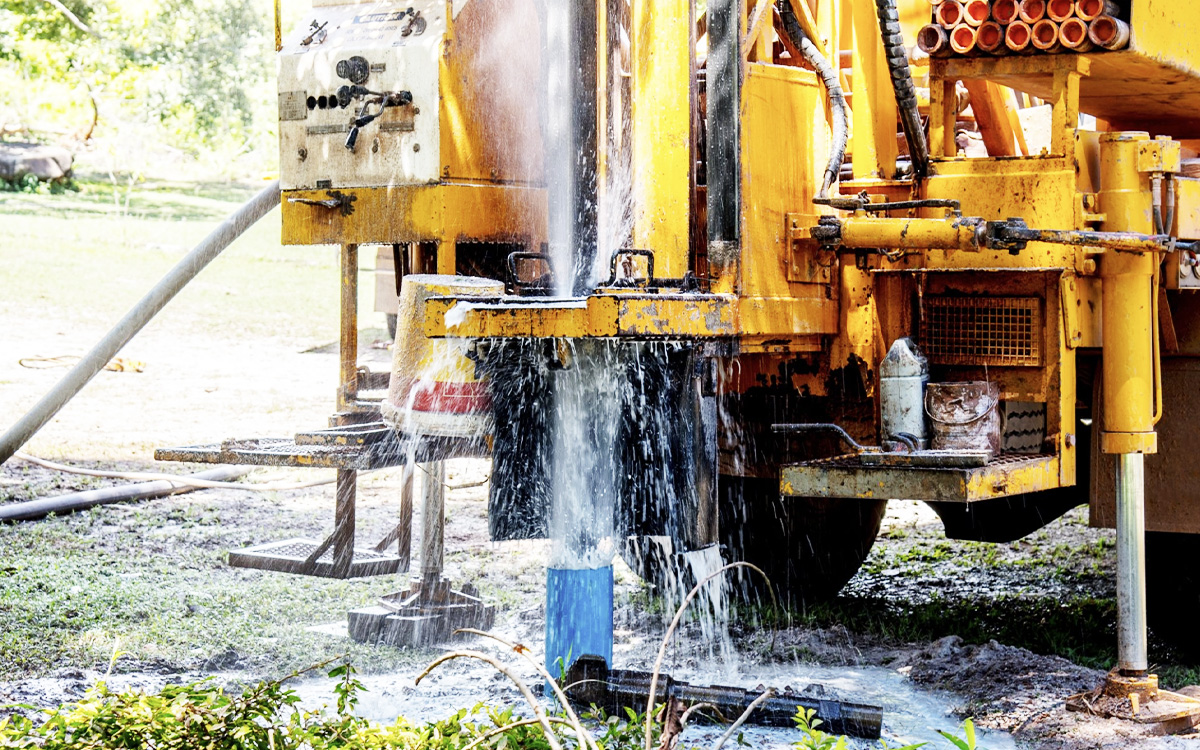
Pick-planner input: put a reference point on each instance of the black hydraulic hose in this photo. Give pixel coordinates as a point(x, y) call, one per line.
point(833, 91)
point(906, 93)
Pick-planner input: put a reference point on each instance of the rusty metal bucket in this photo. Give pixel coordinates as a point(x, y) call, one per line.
point(965, 416)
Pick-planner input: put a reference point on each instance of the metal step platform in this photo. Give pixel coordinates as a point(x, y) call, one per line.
point(358, 447)
point(868, 477)
point(349, 448)
point(314, 558)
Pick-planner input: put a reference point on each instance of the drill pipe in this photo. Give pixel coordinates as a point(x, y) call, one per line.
point(590, 682)
point(1045, 35)
point(949, 14)
point(1074, 35)
point(964, 38)
point(1005, 12)
point(933, 40)
point(1017, 37)
point(1032, 11)
point(975, 12)
point(1060, 10)
point(1109, 32)
point(991, 37)
point(1090, 10)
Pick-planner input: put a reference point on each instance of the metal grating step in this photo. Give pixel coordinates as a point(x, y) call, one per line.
point(291, 556)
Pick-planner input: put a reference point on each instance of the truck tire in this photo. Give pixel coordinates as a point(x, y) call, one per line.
point(808, 547)
point(1173, 589)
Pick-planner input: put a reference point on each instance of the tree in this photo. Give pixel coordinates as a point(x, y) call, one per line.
point(198, 67)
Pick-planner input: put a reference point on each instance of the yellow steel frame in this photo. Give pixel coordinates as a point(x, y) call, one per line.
point(444, 213)
point(661, 109)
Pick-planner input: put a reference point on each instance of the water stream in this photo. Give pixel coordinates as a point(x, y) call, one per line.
point(910, 714)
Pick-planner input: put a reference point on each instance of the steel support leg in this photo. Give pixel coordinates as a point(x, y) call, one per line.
point(348, 333)
point(1132, 657)
point(343, 519)
point(433, 514)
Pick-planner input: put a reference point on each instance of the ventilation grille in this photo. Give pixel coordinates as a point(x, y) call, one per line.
point(995, 331)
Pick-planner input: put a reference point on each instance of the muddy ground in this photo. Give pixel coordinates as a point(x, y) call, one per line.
point(1001, 633)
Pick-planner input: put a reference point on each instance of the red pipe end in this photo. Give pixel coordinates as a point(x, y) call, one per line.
point(1074, 33)
point(1004, 11)
point(1018, 36)
point(1032, 11)
point(991, 36)
point(976, 12)
point(1060, 10)
point(963, 39)
point(949, 14)
point(1045, 34)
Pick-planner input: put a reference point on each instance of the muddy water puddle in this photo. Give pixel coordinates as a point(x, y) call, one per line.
point(910, 713)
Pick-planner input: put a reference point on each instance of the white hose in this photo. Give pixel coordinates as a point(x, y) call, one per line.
point(143, 476)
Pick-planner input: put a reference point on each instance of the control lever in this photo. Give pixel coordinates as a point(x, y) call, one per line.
point(364, 116)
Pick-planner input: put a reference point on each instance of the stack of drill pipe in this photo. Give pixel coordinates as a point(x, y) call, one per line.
point(1003, 27)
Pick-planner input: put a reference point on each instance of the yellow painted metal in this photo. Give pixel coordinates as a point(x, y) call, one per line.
point(1041, 190)
point(839, 478)
point(661, 122)
point(756, 36)
point(490, 128)
point(1187, 215)
point(639, 316)
point(1129, 288)
point(817, 34)
point(950, 233)
point(1056, 78)
point(874, 144)
point(450, 212)
point(779, 137)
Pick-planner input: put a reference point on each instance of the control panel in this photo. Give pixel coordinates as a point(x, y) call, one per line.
point(358, 96)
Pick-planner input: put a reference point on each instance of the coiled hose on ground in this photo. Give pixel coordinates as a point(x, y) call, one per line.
point(896, 55)
point(833, 91)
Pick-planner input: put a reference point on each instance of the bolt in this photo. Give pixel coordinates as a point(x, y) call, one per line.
point(416, 147)
point(302, 153)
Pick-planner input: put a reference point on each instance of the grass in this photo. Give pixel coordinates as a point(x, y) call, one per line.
point(152, 580)
point(86, 257)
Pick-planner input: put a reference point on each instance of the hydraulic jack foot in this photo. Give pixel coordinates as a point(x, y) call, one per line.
point(428, 612)
point(1139, 699)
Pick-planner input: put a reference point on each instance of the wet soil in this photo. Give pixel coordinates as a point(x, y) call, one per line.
point(1001, 633)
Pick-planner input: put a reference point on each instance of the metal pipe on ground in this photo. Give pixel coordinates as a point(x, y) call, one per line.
point(1032, 11)
point(991, 38)
point(933, 40)
point(1074, 35)
point(949, 14)
point(1018, 37)
point(71, 502)
point(975, 12)
point(1045, 36)
point(1005, 12)
point(1090, 10)
point(137, 318)
point(964, 38)
point(1060, 10)
point(1109, 33)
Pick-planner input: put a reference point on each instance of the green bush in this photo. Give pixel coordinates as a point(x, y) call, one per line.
point(202, 716)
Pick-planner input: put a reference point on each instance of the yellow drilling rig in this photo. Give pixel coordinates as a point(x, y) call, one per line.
point(964, 276)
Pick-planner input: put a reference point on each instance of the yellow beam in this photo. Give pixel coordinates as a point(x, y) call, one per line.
point(661, 112)
point(874, 144)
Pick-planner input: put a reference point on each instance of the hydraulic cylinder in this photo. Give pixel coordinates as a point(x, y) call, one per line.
point(1128, 330)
